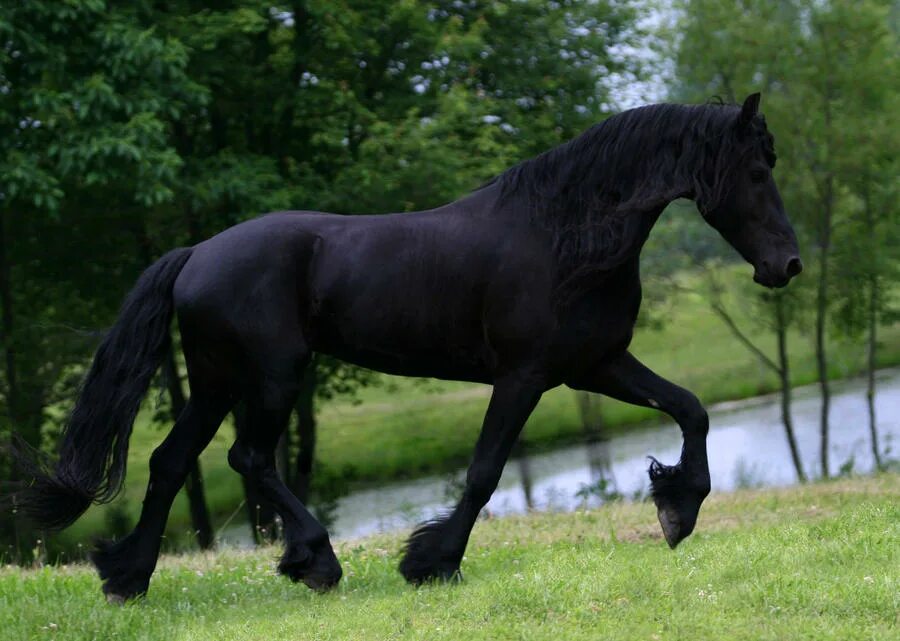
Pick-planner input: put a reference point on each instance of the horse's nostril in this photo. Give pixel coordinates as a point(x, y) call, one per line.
point(794, 267)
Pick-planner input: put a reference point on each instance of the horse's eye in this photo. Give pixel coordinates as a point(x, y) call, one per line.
point(759, 175)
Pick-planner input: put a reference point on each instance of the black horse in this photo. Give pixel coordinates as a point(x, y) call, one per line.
point(528, 283)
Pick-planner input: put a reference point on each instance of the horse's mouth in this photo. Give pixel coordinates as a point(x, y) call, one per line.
point(770, 282)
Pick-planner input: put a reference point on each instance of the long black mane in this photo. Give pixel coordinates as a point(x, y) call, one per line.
point(585, 191)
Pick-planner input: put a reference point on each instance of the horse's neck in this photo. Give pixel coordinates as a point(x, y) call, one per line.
point(647, 219)
point(646, 210)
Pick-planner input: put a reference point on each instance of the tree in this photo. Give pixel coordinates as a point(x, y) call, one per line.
point(821, 68)
point(871, 267)
point(776, 310)
point(868, 258)
point(83, 96)
point(841, 62)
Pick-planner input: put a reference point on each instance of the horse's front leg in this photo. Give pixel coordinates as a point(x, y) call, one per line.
point(677, 490)
point(435, 549)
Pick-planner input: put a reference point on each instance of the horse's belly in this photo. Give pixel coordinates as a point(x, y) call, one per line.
point(389, 330)
point(413, 310)
point(419, 363)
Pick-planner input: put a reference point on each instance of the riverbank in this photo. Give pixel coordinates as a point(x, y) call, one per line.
point(812, 562)
point(404, 428)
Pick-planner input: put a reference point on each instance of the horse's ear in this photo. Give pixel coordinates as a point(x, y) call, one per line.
point(750, 107)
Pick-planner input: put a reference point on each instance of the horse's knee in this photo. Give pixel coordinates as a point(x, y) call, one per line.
point(692, 415)
point(241, 459)
point(250, 462)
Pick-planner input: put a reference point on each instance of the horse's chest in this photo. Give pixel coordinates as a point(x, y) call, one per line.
point(599, 325)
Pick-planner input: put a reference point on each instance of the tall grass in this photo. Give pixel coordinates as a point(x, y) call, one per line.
point(818, 562)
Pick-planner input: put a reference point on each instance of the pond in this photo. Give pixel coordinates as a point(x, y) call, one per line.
point(747, 447)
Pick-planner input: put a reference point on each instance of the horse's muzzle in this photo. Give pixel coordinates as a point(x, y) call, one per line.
point(775, 278)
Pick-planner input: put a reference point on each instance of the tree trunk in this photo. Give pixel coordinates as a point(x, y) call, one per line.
point(824, 242)
point(821, 312)
point(872, 343)
point(260, 514)
point(193, 485)
point(524, 463)
point(596, 444)
point(784, 376)
point(870, 382)
point(8, 320)
point(306, 432)
point(11, 528)
point(781, 369)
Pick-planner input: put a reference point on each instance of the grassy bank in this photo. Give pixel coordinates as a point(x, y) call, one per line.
point(403, 428)
point(816, 562)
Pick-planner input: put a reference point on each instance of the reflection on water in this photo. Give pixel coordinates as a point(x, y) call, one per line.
point(747, 446)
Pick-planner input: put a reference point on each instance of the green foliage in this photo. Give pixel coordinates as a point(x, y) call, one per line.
point(85, 96)
point(828, 74)
point(133, 127)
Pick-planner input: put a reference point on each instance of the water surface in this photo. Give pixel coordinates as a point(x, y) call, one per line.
point(746, 446)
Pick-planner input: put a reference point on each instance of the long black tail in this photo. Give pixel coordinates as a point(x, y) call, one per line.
point(94, 446)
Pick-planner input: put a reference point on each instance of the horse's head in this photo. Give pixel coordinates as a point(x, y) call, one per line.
point(748, 212)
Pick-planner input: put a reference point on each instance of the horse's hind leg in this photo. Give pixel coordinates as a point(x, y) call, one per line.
point(308, 554)
point(126, 565)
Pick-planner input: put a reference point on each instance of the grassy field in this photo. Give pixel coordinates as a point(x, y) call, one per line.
point(816, 562)
point(404, 428)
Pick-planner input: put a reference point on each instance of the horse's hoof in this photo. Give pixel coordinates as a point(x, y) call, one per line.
point(319, 571)
point(322, 584)
point(678, 498)
point(441, 572)
point(121, 592)
point(123, 580)
point(668, 519)
point(426, 560)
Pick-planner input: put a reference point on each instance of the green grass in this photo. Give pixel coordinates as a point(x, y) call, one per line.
point(817, 562)
point(404, 428)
